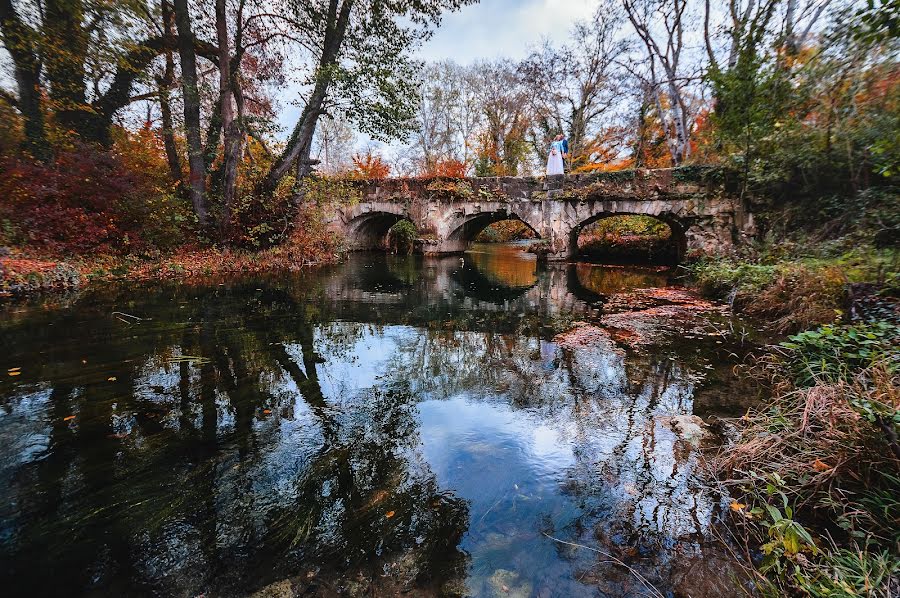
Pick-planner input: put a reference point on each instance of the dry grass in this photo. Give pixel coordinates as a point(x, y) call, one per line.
point(799, 298)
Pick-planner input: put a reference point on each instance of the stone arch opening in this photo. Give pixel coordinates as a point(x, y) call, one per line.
point(629, 238)
point(370, 230)
point(465, 233)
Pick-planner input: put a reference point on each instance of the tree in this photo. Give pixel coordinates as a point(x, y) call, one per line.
point(191, 110)
point(334, 144)
point(503, 101)
point(576, 85)
point(360, 67)
point(448, 115)
point(660, 26)
point(21, 40)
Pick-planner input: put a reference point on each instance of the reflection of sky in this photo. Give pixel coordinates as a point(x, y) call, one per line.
point(533, 439)
point(507, 465)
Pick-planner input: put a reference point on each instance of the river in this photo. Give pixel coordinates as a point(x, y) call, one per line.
point(437, 426)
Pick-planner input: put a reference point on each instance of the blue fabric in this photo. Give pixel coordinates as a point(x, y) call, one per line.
point(565, 146)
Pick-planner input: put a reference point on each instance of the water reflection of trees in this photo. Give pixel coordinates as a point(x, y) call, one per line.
point(206, 454)
point(200, 474)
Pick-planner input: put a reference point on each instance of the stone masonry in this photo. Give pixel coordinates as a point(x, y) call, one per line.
point(449, 213)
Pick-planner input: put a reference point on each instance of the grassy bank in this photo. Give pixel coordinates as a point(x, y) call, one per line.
point(795, 287)
point(815, 473)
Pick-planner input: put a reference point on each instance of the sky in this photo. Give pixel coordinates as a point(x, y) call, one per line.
point(503, 28)
point(484, 31)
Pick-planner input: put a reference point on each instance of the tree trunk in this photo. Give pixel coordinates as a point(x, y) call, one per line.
point(299, 146)
point(17, 39)
point(191, 110)
point(165, 108)
point(64, 23)
point(230, 130)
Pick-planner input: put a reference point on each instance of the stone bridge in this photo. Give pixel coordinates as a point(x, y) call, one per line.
point(448, 213)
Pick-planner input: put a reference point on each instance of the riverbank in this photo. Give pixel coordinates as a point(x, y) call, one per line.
point(815, 471)
point(22, 273)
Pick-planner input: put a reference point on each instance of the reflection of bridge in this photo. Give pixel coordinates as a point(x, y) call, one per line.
point(449, 213)
point(376, 288)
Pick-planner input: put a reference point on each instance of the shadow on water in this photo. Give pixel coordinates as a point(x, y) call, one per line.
point(390, 422)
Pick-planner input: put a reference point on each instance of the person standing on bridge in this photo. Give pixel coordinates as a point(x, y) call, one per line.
point(556, 155)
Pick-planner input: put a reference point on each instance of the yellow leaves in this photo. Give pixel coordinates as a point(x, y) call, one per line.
point(68, 418)
point(14, 371)
point(389, 514)
point(111, 379)
point(741, 508)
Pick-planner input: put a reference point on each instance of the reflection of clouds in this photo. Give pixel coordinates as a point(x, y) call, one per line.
point(25, 434)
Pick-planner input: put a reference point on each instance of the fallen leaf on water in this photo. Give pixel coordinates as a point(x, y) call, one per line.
point(267, 411)
point(13, 373)
point(820, 465)
point(68, 418)
point(389, 514)
point(13, 369)
point(111, 379)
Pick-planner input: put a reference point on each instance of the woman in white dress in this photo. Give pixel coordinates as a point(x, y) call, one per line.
point(555, 159)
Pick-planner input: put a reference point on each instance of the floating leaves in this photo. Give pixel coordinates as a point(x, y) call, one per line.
point(68, 418)
point(389, 514)
point(14, 371)
point(111, 379)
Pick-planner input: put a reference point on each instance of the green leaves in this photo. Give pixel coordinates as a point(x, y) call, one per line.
point(831, 353)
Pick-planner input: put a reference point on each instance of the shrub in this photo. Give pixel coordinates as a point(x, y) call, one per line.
point(402, 237)
point(832, 353)
point(88, 200)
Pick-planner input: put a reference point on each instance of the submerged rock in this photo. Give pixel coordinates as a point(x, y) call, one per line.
point(506, 584)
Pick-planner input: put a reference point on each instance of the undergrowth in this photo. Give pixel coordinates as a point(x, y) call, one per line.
point(816, 473)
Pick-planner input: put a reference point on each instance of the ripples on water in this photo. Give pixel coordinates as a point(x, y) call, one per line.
point(386, 424)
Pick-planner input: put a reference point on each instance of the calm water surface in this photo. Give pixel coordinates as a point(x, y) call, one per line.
point(388, 424)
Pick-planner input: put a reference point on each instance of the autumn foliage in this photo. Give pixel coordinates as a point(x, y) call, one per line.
point(90, 200)
point(369, 166)
point(455, 169)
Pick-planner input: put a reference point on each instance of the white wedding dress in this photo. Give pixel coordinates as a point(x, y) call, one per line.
point(555, 159)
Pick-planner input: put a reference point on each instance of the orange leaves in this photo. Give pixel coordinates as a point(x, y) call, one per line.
point(14, 371)
point(370, 166)
point(821, 466)
point(68, 418)
point(389, 514)
point(454, 169)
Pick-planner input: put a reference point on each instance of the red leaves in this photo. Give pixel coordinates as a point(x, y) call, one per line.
point(83, 200)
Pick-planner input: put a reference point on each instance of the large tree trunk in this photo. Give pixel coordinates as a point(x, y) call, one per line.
point(191, 110)
point(230, 129)
point(299, 145)
point(165, 108)
point(18, 40)
point(64, 20)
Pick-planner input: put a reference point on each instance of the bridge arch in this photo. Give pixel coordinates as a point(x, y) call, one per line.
point(468, 227)
point(369, 229)
point(678, 226)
